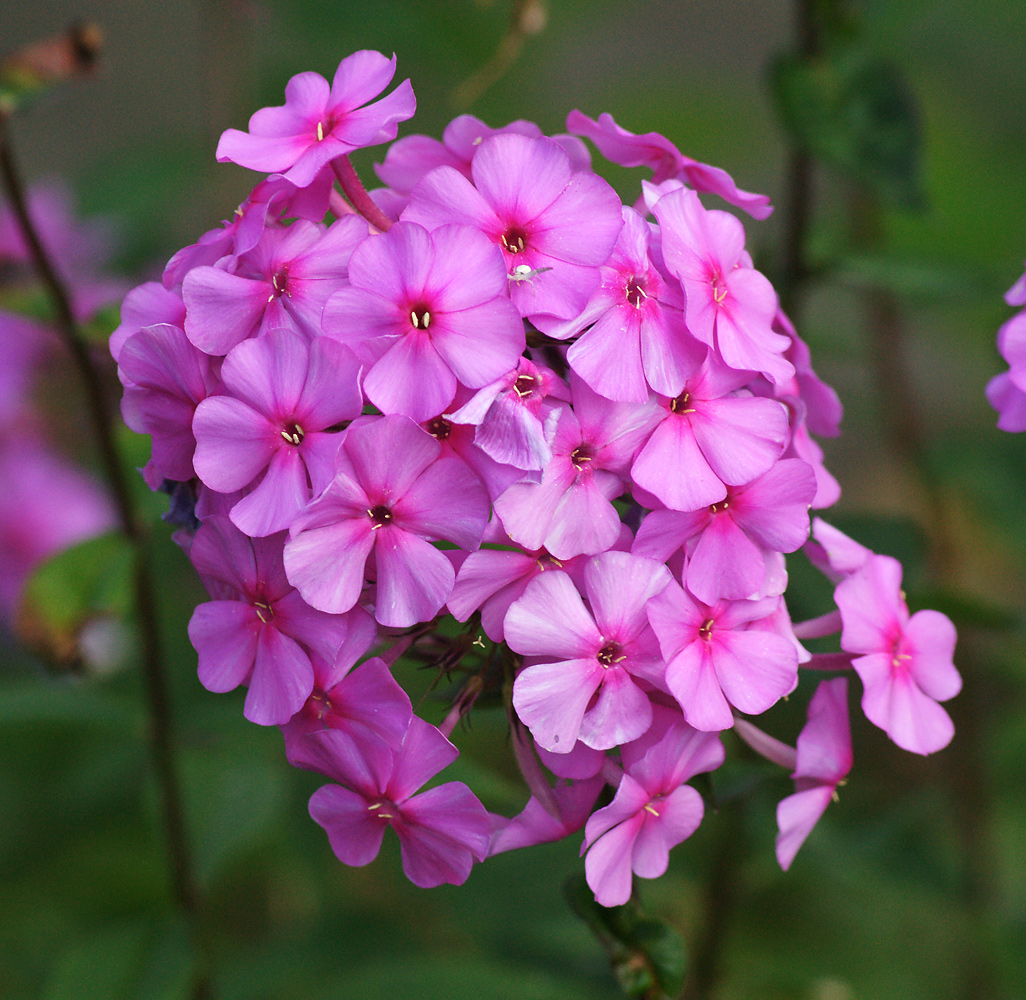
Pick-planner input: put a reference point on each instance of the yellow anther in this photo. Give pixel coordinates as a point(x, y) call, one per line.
point(320, 132)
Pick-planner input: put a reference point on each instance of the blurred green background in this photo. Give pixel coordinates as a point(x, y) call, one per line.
point(913, 885)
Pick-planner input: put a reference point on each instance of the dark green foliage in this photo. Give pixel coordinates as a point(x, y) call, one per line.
point(855, 111)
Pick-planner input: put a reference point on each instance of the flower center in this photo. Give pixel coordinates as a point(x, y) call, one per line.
point(611, 654)
point(439, 428)
point(682, 404)
point(383, 809)
point(719, 287)
point(514, 240)
point(293, 434)
point(264, 611)
point(547, 561)
point(280, 283)
point(580, 456)
point(635, 292)
point(380, 515)
point(719, 508)
point(420, 317)
point(705, 632)
point(524, 385)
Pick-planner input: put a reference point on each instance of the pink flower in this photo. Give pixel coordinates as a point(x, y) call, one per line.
point(441, 831)
point(415, 156)
point(653, 809)
point(257, 630)
point(317, 124)
point(570, 511)
point(729, 542)
point(278, 419)
point(824, 760)
point(283, 282)
point(165, 378)
point(710, 436)
point(527, 198)
point(634, 332)
point(584, 687)
point(665, 160)
point(513, 419)
point(390, 495)
point(905, 663)
point(716, 656)
point(423, 311)
point(730, 305)
point(365, 703)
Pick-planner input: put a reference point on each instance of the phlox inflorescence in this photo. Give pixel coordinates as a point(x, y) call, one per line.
point(491, 392)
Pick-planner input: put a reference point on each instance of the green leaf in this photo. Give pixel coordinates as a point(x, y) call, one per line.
point(233, 803)
point(94, 577)
point(854, 111)
point(648, 956)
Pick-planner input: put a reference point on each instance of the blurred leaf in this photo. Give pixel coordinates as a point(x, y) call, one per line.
point(74, 605)
point(137, 961)
point(915, 279)
point(45, 701)
point(964, 608)
point(855, 111)
point(439, 977)
point(93, 577)
point(233, 802)
point(648, 956)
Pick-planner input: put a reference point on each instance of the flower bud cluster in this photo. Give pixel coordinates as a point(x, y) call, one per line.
point(491, 392)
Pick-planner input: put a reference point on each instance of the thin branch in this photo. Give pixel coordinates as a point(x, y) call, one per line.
point(527, 18)
point(161, 740)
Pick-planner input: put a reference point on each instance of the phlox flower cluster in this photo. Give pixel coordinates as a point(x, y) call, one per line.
point(490, 417)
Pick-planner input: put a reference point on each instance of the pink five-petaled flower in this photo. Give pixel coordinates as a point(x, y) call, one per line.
point(653, 809)
point(709, 437)
point(665, 160)
point(584, 686)
point(511, 416)
point(634, 333)
point(823, 762)
point(391, 493)
point(165, 378)
point(280, 419)
point(441, 831)
point(363, 702)
point(730, 543)
point(317, 124)
point(257, 630)
point(717, 656)
point(527, 198)
point(570, 512)
point(283, 281)
point(423, 311)
point(730, 305)
point(905, 663)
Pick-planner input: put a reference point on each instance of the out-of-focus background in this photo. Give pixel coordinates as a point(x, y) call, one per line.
point(914, 883)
